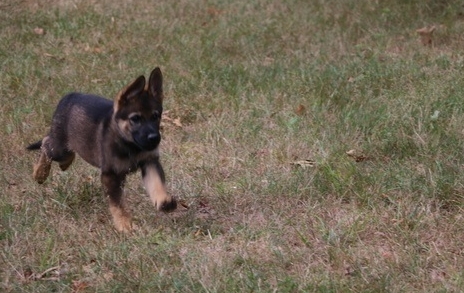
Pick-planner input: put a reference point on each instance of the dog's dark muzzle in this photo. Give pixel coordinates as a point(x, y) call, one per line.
point(148, 142)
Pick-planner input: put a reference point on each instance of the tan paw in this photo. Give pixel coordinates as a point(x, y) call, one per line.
point(121, 219)
point(41, 171)
point(123, 224)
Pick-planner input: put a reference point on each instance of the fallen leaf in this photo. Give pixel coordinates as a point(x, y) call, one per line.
point(213, 12)
point(300, 110)
point(198, 233)
point(304, 163)
point(351, 153)
point(93, 49)
point(183, 204)
point(425, 34)
point(39, 31)
point(361, 158)
point(78, 286)
point(175, 121)
point(27, 273)
point(358, 157)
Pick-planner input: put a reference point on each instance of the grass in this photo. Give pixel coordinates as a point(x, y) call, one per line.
point(257, 85)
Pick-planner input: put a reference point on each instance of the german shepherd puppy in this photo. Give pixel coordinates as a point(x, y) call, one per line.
point(118, 137)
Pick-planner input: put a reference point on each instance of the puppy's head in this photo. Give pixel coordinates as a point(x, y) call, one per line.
point(137, 111)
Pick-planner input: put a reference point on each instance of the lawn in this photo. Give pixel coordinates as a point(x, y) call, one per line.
point(314, 146)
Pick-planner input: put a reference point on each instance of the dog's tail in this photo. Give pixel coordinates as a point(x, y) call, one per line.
point(35, 146)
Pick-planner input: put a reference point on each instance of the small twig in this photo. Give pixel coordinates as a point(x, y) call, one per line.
point(41, 275)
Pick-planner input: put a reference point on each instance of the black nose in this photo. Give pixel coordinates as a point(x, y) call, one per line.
point(153, 137)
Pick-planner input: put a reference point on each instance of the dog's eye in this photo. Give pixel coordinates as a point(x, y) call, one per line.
point(135, 119)
point(156, 116)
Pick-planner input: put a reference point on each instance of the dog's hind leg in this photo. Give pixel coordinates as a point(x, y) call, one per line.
point(43, 165)
point(51, 149)
point(153, 179)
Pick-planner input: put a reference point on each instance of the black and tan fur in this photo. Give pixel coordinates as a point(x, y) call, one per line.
point(118, 137)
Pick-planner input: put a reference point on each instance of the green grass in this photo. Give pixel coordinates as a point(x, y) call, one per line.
point(238, 75)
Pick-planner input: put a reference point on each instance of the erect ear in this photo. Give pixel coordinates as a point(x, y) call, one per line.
point(155, 84)
point(130, 91)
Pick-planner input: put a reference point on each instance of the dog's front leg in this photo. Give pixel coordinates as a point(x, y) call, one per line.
point(153, 179)
point(113, 185)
